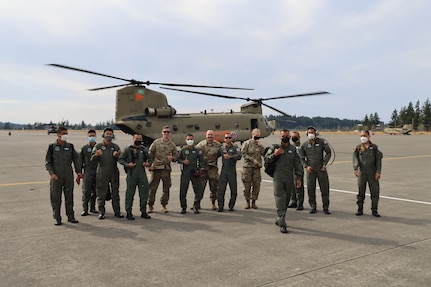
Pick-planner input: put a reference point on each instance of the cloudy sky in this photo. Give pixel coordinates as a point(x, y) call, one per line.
point(372, 56)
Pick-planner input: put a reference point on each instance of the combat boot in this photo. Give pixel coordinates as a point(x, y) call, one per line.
point(129, 215)
point(253, 204)
point(359, 212)
point(150, 209)
point(213, 207)
point(247, 205)
point(164, 209)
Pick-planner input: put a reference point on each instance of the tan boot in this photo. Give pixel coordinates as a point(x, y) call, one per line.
point(247, 205)
point(213, 207)
point(253, 204)
point(150, 209)
point(164, 209)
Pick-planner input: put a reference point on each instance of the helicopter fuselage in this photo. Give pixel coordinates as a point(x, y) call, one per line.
point(144, 111)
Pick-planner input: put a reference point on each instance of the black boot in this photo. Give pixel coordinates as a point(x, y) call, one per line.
point(130, 216)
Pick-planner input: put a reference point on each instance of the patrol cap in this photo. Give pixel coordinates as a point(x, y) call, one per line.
point(105, 130)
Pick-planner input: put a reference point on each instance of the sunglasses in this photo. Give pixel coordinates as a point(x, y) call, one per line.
point(166, 132)
point(227, 137)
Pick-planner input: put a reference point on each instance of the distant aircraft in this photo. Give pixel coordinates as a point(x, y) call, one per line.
point(405, 130)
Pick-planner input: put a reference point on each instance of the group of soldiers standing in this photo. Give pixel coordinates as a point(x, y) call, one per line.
point(96, 164)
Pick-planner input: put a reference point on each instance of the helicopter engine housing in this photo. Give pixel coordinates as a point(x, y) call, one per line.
point(165, 112)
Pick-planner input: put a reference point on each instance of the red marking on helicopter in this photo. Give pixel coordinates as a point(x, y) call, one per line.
point(139, 97)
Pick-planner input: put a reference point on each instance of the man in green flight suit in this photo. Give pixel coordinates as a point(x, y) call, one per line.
point(106, 155)
point(297, 199)
point(367, 166)
point(287, 168)
point(315, 154)
point(58, 163)
point(191, 159)
point(135, 159)
point(89, 182)
point(231, 154)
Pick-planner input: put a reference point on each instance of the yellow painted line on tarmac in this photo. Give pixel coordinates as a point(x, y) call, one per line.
point(24, 183)
point(390, 158)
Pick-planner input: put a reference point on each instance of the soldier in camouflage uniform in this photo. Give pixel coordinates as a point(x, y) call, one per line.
point(58, 163)
point(106, 155)
point(315, 154)
point(89, 167)
point(135, 159)
point(252, 152)
point(191, 159)
point(162, 152)
point(367, 165)
point(231, 154)
point(211, 151)
point(297, 199)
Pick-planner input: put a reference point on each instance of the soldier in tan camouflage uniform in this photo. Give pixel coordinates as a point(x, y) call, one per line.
point(162, 152)
point(252, 151)
point(211, 151)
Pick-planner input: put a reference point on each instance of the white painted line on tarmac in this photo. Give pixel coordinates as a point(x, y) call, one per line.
point(367, 194)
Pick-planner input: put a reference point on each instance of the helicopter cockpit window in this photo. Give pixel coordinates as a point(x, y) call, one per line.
point(197, 127)
point(236, 125)
point(217, 126)
point(175, 128)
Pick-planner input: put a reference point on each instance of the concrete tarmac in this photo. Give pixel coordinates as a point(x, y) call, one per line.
point(239, 248)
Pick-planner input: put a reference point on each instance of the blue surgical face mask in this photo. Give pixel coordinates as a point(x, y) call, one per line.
point(108, 138)
point(92, 139)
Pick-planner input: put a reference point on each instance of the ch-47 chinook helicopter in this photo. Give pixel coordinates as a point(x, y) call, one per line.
point(145, 111)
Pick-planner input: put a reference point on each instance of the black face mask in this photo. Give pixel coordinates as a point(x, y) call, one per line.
point(138, 143)
point(295, 139)
point(285, 140)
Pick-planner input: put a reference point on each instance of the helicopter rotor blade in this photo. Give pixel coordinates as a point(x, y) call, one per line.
point(206, 94)
point(202, 86)
point(86, 71)
point(295, 96)
point(135, 82)
point(277, 110)
point(102, 88)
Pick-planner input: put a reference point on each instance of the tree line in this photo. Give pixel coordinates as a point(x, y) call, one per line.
point(418, 116)
point(66, 123)
point(321, 123)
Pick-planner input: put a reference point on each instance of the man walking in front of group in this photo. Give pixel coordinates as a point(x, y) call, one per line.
point(135, 159)
point(252, 152)
point(89, 182)
point(287, 168)
point(162, 152)
point(211, 151)
point(231, 154)
point(106, 155)
point(367, 166)
point(58, 162)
